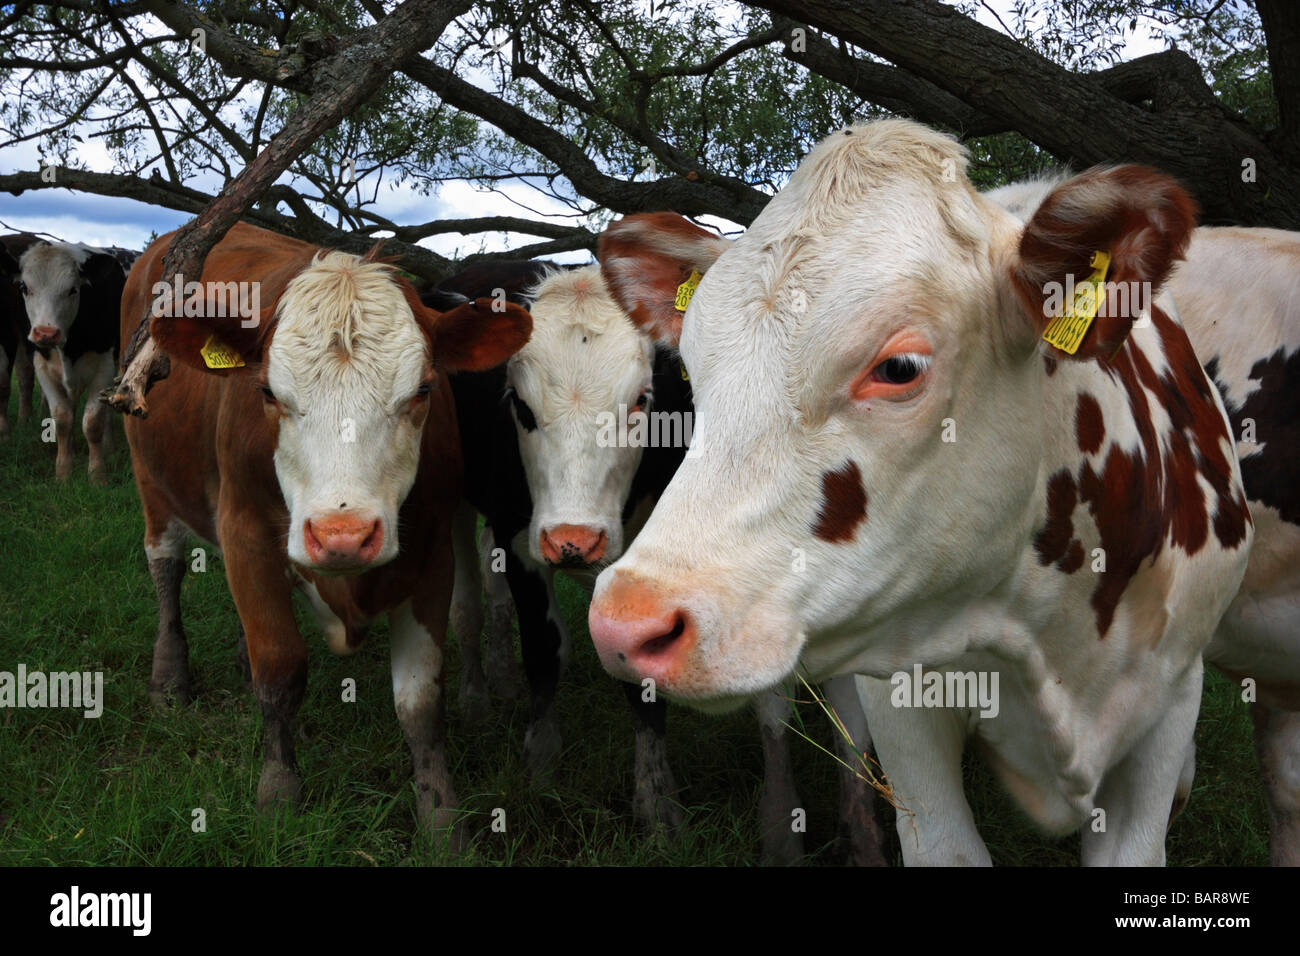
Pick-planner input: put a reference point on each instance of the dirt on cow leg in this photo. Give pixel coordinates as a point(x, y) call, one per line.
point(280, 782)
point(654, 796)
point(241, 656)
point(1277, 742)
point(861, 837)
point(170, 681)
point(779, 807)
point(436, 802)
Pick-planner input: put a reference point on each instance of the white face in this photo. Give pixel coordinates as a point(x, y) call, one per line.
point(50, 284)
point(585, 360)
point(829, 348)
point(346, 380)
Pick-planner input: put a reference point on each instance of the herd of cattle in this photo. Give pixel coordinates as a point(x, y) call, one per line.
point(890, 472)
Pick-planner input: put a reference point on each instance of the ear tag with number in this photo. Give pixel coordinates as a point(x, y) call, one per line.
point(686, 290)
point(1066, 331)
point(217, 354)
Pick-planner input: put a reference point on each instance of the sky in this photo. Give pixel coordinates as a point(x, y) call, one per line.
point(109, 221)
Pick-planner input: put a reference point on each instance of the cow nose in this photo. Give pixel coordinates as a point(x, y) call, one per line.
point(637, 634)
point(573, 545)
point(45, 335)
point(342, 541)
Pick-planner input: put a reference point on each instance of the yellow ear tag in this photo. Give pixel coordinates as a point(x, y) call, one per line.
point(686, 290)
point(1066, 331)
point(685, 377)
point(217, 354)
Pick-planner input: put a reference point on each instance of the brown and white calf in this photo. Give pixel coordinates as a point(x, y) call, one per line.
point(896, 473)
point(321, 453)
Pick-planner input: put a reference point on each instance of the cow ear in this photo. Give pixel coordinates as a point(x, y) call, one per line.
point(102, 271)
point(1126, 226)
point(478, 335)
point(650, 262)
point(212, 342)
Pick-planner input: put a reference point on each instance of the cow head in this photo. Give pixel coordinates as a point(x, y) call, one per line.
point(868, 377)
point(345, 363)
point(51, 280)
point(585, 369)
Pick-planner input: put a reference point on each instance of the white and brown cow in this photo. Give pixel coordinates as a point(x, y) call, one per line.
point(316, 445)
point(896, 471)
point(72, 294)
point(1237, 293)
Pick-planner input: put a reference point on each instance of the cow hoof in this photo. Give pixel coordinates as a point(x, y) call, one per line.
point(99, 476)
point(542, 745)
point(278, 786)
point(170, 695)
point(658, 815)
point(506, 685)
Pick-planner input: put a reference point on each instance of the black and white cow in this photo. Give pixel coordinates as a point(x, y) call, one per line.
point(15, 350)
point(73, 295)
point(554, 463)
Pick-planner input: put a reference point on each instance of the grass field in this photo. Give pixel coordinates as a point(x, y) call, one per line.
point(120, 790)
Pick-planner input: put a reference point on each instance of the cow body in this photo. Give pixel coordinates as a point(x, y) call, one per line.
point(16, 350)
point(333, 435)
point(557, 496)
point(1236, 295)
point(965, 499)
point(72, 294)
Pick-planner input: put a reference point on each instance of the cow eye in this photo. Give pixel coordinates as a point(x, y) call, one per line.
point(901, 369)
point(22, 288)
point(423, 390)
point(72, 291)
point(267, 394)
point(643, 400)
point(525, 414)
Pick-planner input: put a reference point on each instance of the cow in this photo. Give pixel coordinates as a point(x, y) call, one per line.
point(560, 494)
point(72, 294)
point(971, 505)
point(15, 350)
point(1236, 295)
point(315, 444)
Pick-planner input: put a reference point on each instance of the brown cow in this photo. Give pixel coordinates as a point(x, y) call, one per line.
point(303, 436)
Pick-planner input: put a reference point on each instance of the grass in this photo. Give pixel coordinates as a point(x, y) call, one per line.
point(121, 790)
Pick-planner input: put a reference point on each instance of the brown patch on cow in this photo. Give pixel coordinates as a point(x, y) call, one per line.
point(1056, 543)
point(844, 504)
point(1089, 425)
point(1138, 501)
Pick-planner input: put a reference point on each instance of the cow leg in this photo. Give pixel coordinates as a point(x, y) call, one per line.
point(545, 642)
point(241, 657)
point(5, 363)
point(782, 843)
point(1186, 777)
point(654, 794)
point(49, 373)
point(95, 422)
point(277, 654)
point(859, 831)
point(1138, 793)
point(502, 667)
point(164, 547)
point(1277, 741)
point(418, 639)
point(25, 373)
point(467, 617)
point(920, 754)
